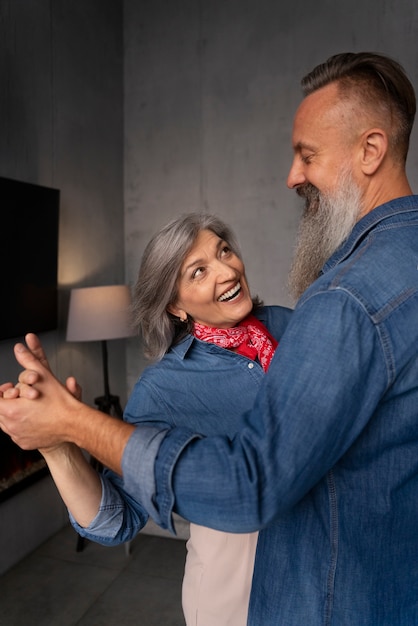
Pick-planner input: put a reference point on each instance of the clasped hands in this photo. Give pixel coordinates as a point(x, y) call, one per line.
point(34, 411)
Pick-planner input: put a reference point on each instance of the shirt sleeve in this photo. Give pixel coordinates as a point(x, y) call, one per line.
point(120, 516)
point(314, 401)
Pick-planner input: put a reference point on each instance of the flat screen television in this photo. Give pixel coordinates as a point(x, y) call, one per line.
point(28, 258)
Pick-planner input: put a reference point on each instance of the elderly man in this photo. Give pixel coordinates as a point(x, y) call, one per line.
point(326, 463)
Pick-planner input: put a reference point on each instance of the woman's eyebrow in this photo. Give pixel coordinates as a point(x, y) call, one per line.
point(200, 261)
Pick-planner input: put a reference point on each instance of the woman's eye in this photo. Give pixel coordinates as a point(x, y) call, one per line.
point(198, 272)
point(226, 250)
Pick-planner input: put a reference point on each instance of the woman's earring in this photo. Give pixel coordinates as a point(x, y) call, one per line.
point(181, 319)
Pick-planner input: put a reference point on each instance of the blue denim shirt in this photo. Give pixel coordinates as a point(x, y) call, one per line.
point(197, 385)
point(327, 461)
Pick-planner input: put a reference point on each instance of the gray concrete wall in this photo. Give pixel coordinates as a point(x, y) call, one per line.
point(61, 117)
point(210, 93)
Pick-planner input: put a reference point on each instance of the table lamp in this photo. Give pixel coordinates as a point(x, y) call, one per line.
point(100, 314)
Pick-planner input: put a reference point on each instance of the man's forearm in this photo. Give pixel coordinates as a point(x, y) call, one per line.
point(103, 436)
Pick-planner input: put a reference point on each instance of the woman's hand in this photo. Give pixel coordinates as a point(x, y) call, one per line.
point(6, 388)
point(78, 483)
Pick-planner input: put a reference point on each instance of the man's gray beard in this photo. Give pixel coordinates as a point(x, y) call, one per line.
point(327, 221)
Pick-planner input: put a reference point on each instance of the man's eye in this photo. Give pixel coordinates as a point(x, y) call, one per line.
point(226, 250)
point(306, 158)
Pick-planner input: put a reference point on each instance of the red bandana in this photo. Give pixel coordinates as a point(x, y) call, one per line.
point(251, 338)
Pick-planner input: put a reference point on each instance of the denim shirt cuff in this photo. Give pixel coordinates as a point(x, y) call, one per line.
point(145, 475)
point(108, 516)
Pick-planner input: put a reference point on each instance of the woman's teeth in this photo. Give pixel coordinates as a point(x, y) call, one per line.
point(232, 293)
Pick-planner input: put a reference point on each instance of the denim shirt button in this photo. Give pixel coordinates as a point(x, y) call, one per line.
point(250, 366)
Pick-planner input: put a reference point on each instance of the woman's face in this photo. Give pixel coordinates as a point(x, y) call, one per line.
point(212, 287)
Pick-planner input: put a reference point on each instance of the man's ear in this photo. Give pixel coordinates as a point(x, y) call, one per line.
point(374, 148)
point(177, 312)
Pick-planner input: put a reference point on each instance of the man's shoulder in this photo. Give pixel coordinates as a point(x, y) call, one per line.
point(379, 272)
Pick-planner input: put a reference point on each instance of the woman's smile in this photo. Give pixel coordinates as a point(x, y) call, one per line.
point(231, 293)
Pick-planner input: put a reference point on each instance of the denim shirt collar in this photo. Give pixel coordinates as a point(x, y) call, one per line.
point(395, 207)
point(182, 348)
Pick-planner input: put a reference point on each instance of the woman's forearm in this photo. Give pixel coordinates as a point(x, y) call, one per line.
point(77, 481)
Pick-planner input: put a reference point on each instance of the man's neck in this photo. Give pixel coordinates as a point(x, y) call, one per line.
point(384, 189)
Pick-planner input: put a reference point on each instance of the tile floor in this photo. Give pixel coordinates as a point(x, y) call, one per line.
point(58, 586)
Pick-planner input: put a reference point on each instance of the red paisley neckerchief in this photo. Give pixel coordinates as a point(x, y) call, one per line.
point(251, 338)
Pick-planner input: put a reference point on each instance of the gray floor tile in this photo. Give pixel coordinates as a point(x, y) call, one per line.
point(135, 599)
point(100, 586)
point(50, 592)
point(158, 556)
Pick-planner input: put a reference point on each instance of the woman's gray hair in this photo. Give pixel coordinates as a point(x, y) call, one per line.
point(156, 286)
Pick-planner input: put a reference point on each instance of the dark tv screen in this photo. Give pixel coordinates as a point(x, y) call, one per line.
point(28, 258)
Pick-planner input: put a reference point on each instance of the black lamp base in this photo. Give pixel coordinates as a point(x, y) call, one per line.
point(109, 404)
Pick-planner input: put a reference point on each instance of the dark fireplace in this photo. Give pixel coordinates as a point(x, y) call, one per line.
point(18, 468)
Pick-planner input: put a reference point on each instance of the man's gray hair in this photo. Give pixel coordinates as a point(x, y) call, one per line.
point(376, 81)
point(156, 286)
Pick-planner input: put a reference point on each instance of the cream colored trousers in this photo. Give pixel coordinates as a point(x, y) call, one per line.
point(217, 577)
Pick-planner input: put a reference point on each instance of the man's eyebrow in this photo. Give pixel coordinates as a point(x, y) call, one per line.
point(300, 145)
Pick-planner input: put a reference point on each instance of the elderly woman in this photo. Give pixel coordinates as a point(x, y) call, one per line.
point(211, 343)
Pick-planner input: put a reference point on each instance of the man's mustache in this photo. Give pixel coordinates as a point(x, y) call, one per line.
point(308, 191)
point(311, 195)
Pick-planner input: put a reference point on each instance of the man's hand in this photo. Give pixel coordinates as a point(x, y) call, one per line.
point(30, 412)
point(27, 378)
point(41, 413)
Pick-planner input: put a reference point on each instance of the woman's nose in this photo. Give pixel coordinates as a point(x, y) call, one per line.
point(225, 272)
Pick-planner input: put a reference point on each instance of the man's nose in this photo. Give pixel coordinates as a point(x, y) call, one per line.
point(296, 175)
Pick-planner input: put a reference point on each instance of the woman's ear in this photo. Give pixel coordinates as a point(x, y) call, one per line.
point(177, 312)
point(374, 147)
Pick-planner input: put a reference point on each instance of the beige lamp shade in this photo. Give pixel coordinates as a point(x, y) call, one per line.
point(99, 313)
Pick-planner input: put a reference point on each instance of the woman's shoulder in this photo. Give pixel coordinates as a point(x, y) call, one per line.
point(175, 361)
point(275, 318)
